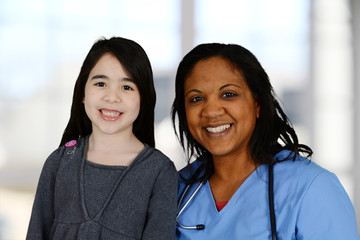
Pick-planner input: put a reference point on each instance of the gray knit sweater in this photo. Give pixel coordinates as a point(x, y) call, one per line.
point(140, 205)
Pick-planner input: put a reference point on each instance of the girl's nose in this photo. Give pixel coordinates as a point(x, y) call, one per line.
point(112, 96)
point(212, 109)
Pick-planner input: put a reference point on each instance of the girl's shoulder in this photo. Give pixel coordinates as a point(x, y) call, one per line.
point(154, 154)
point(155, 158)
point(68, 150)
point(72, 146)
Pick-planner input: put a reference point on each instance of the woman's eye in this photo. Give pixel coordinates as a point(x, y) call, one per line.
point(128, 88)
point(195, 99)
point(229, 94)
point(100, 84)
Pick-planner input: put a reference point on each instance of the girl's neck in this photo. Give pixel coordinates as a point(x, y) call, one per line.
point(113, 149)
point(114, 141)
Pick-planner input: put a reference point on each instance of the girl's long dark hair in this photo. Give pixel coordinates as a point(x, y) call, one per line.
point(273, 131)
point(133, 57)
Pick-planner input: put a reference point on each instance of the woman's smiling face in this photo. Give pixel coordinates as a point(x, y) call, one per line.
point(221, 111)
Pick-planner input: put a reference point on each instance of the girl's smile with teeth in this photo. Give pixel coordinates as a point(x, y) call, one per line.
point(110, 113)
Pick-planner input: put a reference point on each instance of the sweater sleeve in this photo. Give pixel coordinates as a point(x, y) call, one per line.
point(161, 223)
point(326, 211)
point(43, 208)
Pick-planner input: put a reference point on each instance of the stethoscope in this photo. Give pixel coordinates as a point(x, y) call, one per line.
point(202, 226)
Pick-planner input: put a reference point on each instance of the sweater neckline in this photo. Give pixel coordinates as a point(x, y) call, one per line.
point(83, 161)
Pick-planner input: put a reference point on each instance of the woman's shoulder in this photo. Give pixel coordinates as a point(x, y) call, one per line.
point(298, 167)
point(307, 180)
point(314, 190)
point(304, 174)
point(185, 174)
point(190, 169)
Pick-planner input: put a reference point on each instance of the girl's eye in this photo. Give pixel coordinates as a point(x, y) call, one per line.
point(128, 88)
point(229, 95)
point(100, 84)
point(195, 99)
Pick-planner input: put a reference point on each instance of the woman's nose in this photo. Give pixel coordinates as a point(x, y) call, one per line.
point(212, 109)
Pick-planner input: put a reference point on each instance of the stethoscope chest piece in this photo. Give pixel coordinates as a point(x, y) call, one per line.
point(198, 226)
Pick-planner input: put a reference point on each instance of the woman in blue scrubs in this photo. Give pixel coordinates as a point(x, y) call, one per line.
point(251, 178)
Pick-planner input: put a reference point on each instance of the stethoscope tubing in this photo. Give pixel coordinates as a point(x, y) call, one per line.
point(197, 227)
point(271, 203)
point(202, 226)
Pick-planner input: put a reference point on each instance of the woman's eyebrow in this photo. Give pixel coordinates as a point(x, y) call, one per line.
point(228, 85)
point(192, 90)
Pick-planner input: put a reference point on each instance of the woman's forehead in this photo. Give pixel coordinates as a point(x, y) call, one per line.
point(214, 70)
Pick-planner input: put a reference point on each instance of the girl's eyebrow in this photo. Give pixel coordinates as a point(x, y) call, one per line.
point(102, 76)
point(126, 79)
point(99, 76)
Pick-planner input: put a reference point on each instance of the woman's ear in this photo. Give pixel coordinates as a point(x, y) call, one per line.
point(257, 109)
point(257, 105)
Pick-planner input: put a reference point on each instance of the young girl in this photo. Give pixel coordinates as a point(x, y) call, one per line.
point(106, 180)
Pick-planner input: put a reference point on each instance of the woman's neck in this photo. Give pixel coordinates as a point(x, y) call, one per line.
point(233, 167)
point(229, 174)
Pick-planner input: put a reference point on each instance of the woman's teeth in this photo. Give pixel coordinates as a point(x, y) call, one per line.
point(110, 113)
point(218, 129)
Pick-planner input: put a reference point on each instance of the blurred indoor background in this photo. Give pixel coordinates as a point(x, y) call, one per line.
point(309, 48)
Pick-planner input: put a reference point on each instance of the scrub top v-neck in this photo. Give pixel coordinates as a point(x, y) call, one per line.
point(308, 200)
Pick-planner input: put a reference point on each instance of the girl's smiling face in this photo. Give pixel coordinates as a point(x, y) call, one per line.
point(221, 111)
point(112, 99)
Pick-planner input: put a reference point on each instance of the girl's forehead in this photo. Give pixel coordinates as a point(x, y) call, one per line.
point(109, 64)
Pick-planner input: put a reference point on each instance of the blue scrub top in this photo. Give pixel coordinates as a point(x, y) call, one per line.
point(309, 202)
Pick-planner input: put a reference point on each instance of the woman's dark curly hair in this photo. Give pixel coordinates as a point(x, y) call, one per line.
point(273, 131)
